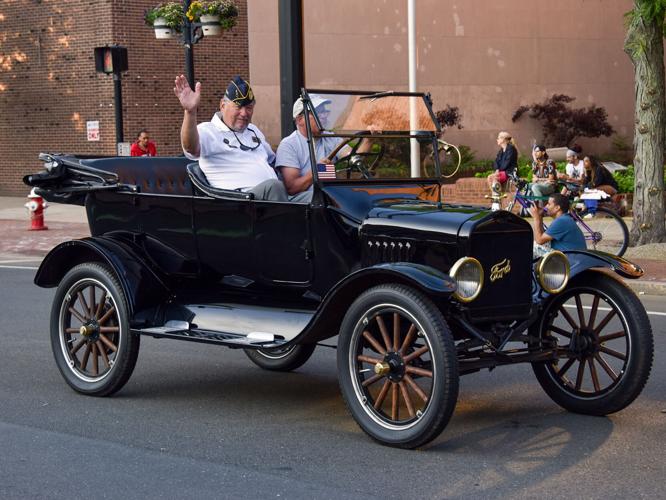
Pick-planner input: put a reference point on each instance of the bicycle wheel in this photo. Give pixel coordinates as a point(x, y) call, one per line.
point(605, 231)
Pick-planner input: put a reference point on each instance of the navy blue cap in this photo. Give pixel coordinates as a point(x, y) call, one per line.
point(239, 91)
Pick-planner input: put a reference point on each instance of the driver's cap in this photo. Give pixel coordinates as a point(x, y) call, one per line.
point(317, 101)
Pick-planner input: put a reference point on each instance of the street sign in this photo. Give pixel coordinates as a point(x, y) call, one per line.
point(92, 129)
point(124, 148)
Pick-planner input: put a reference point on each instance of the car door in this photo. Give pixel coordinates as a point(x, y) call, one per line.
point(281, 243)
point(223, 230)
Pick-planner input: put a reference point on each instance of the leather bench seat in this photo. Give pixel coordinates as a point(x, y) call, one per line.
point(156, 175)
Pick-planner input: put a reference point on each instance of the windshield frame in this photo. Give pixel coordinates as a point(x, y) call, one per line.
point(420, 135)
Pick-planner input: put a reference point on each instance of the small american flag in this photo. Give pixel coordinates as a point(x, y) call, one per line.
point(326, 170)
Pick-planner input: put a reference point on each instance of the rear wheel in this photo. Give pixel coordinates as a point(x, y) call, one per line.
point(606, 231)
point(281, 359)
point(604, 340)
point(397, 366)
point(90, 335)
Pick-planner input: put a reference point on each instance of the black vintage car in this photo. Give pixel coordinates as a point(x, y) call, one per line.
point(418, 291)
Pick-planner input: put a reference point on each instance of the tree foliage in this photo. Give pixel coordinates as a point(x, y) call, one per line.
point(561, 124)
point(449, 117)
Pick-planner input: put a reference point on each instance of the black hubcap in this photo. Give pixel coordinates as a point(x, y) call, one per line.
point(397, 366)
point(584, 343)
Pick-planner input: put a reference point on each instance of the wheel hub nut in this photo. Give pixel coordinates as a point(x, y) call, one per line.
point(382, 368)
point(86, 330)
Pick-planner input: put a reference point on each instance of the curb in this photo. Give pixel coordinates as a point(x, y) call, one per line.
point(642, 287)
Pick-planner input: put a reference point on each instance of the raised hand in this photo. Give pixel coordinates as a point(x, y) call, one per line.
point(189, 99)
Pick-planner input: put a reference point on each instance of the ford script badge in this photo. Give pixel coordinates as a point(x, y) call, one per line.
point(499, 270)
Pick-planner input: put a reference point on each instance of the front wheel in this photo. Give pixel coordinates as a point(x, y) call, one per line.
point(606, 231)
point(281, 359)
point(603, 338)
point(90, 336)
point(397, 366)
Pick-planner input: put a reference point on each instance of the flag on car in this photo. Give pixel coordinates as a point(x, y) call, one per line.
point(326, 170)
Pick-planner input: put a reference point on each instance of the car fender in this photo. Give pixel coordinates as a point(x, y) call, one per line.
point(581, 260)
point(326, 322)
point(142, 287)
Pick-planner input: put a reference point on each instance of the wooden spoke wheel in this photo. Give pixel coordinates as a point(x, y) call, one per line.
point(281, 359)
point(604, 342)
point(397, 366)
point(90, 336)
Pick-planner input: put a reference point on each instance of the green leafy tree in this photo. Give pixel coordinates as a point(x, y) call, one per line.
point(645, 46)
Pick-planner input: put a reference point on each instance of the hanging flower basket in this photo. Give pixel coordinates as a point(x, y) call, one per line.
point(210, 24)
point(163, 31)
point(167, 19)
point(215, 16)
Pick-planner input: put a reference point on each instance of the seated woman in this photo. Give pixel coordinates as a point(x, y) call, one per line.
point(506, 161)
point(544, 173)
point(598, 176)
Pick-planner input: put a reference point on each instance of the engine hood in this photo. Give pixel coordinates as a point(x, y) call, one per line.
point(419, 217)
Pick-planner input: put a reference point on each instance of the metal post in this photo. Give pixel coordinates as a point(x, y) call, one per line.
point(189, 49)
point(118, 104)
point(415, 152)
point(292, 76)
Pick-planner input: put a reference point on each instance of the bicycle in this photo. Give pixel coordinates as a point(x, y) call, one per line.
point(603, 229)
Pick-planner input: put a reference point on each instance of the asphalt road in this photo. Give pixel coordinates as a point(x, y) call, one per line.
point(199, 421)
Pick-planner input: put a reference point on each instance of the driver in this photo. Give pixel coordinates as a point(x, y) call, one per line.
point(232, 152)
point(293, 155)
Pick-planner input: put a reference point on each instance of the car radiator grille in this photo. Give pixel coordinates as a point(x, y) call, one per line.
point(506, 256)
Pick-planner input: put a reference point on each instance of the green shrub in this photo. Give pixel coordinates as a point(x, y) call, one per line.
point(625, 180)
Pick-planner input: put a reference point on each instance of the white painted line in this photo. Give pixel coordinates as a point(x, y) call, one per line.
point(19, 267)
point(18, 261)
point(652, 313)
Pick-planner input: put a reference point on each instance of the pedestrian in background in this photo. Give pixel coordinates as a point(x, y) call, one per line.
point(506, 162)
point(143, 146)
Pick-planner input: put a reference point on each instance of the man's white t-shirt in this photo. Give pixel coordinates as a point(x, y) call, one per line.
point(225, 164)
point(575, 171)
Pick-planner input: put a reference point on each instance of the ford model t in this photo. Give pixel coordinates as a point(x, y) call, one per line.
point(417, 291)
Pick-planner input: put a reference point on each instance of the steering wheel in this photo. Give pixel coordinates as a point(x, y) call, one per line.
point(364, 162)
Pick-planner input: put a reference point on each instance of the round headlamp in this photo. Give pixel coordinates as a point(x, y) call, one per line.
point(468, 274)
point(553, 272)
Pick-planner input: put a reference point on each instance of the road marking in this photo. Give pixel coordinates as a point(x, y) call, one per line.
point(19, 267)
point(653, 313)
point(16, 261)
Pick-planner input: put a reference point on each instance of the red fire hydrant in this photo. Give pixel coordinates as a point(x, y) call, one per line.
point(36, 206)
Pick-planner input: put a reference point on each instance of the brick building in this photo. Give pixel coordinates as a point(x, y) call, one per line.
point(487, 58)
point(49, 89)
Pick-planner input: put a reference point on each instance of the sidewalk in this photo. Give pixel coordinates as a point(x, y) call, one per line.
point(66, 222)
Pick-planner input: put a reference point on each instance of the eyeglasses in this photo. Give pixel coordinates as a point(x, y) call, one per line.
point(242, 146)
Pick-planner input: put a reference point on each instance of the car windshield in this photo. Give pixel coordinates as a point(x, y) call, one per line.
point(384, 111)
point(370, 136)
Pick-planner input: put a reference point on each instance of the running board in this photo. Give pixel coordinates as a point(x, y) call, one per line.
point(180, 330)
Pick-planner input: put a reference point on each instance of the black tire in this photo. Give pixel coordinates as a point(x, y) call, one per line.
point(417, 365)
point(90, 335)
point(608, 350)
point(609, 232)
point(281, 360)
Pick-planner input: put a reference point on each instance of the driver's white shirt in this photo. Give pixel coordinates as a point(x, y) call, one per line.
point(225, 164)
point(294, 152)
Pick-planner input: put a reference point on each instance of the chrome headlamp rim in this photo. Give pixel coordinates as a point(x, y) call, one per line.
point(456, 267)
point(540, 271)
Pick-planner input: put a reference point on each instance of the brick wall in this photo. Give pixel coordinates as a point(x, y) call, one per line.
point(49, 88)
point(468, 191)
